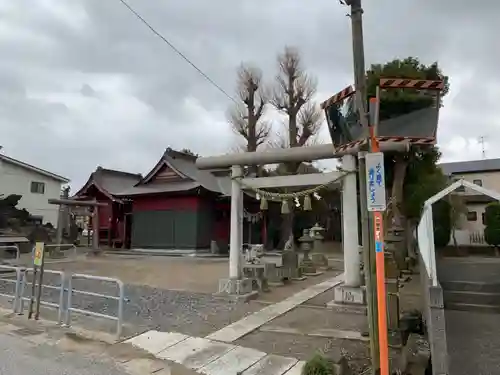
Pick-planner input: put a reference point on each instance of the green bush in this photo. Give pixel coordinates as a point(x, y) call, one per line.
point(441, 217)
point(318, 365)
point(492, 222)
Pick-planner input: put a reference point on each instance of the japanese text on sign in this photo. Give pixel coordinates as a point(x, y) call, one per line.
point(378, 232)
point(375, 180)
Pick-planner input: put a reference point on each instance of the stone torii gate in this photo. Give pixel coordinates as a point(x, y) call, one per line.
point(236, 284)
point(94, 205)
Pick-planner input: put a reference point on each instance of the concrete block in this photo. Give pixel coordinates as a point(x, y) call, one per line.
point(350, 295)
point(235, 286)
point(342, 308)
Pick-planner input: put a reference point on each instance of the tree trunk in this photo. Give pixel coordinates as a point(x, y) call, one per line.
point(401, 164)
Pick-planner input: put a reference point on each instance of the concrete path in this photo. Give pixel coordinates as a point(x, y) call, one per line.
point(215, 355)
point(19, 357)
point(250, 323)
point(211, 357)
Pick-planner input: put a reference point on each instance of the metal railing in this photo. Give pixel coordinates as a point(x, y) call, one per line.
point(64, 284)
point(120, 298)
point(12, 247)
point(59, 306)
point(16, 281)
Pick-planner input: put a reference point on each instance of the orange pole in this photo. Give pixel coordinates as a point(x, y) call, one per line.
point(378, 230)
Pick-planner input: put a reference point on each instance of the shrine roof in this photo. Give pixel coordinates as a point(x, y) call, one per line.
point(189, 177)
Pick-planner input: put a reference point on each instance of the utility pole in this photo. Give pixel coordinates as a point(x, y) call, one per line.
point(368, 245)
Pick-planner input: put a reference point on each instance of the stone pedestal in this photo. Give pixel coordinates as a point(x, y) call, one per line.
point(350, 295)
point(349, 300)
point(290, 265)
point(237, 288)
point(320, 261)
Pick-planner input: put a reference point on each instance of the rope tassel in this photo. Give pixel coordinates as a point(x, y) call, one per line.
point(263, 204)
point(285, 209)
point(307, 203)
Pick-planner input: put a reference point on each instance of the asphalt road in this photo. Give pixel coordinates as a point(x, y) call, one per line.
point(19, 357)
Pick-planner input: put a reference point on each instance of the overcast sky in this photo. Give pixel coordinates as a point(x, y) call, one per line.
point(84, 83)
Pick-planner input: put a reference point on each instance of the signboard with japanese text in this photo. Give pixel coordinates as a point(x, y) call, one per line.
point(38, 256)
point(378, 231)
point(375, 181)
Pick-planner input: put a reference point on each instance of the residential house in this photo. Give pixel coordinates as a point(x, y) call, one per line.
point(485, 173)
point(35, 185)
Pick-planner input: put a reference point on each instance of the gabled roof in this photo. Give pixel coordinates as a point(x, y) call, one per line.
point(191, 177)
point(471, 166)
point(32, 168)
point(110, 182)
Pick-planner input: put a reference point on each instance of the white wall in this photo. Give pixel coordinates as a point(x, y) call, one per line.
point(17, 180)
point(467, 237)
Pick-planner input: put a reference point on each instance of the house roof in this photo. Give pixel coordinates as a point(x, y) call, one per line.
point(184, 165)
point(34, 169)
point(109, 181)
point(471, 166)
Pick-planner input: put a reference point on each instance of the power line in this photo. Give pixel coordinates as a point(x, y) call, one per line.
point(184, 57)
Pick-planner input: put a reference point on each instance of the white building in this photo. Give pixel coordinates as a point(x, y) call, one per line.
point(485, 173)
point(35, 185)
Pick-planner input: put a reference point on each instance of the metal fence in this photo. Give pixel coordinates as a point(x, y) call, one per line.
point(12, 247)
point(64, 306)
point(120, 298)
point(59, 305)
point(16, 281)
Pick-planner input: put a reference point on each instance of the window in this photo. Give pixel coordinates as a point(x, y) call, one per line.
point(472, 216)
point(37, 187)
point(478, 182)
point(483, 218)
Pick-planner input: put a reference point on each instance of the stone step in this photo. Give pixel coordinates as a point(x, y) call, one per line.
point(476, 298)
point(472, 307)
point(470, 286)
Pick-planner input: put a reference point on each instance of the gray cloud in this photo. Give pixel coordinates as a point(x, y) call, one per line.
point(84, 83)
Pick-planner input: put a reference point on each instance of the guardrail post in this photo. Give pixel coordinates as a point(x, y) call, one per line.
point(70, 297)
point(61, 299)
point(17, 290)
point(120, 308)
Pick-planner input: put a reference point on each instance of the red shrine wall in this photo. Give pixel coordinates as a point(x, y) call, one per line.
point(160, 202)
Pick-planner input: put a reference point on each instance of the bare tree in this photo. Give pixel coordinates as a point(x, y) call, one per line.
point(246, 117)
point(292, 96)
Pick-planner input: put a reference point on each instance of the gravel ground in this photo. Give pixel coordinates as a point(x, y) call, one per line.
point(304, 347)
point(196, 314)
point(308, 319)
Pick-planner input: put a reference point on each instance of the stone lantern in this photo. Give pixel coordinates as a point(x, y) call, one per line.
point(306, 242)
point(317, 235)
